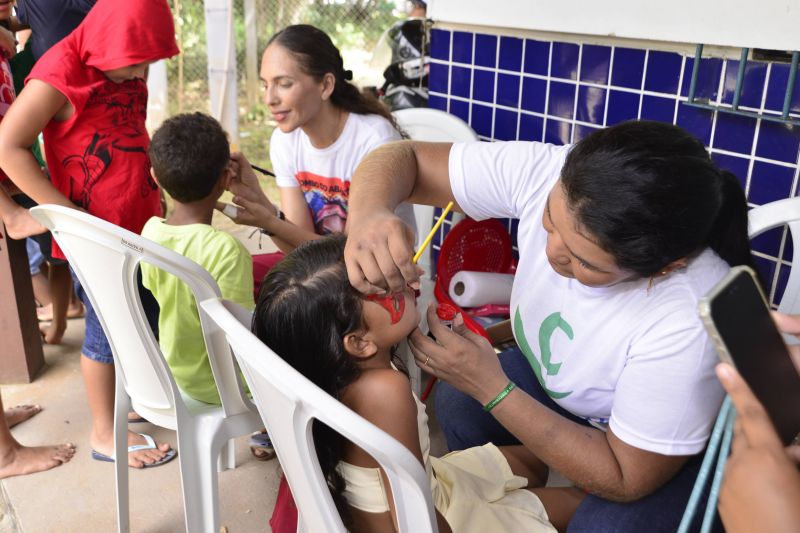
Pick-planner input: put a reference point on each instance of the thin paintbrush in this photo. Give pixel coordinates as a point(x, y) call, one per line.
point(263, 170)
point(435, 227)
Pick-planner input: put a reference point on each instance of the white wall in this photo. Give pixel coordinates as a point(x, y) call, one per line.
point(771, 24)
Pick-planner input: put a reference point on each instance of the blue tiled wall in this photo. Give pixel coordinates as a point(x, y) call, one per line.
point(510, 88)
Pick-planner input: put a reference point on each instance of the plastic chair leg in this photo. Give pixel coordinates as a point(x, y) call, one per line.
point(122, 405)
point(227, 456)
point(199, 478)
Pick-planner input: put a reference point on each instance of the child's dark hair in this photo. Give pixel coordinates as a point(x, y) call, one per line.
point(189, 153)
point(650, 194)
point(305, 308)
point(317, 56)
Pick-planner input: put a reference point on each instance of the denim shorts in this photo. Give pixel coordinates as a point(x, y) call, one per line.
point(95, 344)
point(35, 257)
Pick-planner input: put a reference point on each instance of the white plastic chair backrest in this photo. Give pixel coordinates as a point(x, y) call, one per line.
point(773, 215)
point(289, 403)
point(105, 259)
point(431, 125)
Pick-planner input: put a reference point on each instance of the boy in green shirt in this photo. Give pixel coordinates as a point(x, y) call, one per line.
point(191, 161)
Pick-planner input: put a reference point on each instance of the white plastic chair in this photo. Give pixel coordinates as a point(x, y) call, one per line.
point(289, 403)
point(772, 215)
point(106, 258)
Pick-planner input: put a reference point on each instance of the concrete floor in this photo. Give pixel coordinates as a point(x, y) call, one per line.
point(80, 495)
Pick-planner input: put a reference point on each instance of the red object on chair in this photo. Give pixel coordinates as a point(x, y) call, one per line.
point(483, 246)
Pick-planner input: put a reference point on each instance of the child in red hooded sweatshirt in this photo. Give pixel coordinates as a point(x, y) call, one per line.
point(88, 96)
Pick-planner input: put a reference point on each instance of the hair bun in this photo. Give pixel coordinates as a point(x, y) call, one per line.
point(348, 75)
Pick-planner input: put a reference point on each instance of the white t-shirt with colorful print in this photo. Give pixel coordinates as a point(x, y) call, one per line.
point(324, 174)
point(630, 357)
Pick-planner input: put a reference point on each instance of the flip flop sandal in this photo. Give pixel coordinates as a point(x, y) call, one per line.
point(261, 446)
point(151, 445)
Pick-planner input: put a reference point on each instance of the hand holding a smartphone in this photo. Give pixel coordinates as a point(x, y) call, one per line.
point(742, 328)
point(761, 488)
point(790, 324)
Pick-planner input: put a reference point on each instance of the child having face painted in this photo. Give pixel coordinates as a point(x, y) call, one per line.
point(310, 315)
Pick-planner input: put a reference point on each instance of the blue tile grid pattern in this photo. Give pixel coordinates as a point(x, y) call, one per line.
point(511, 88)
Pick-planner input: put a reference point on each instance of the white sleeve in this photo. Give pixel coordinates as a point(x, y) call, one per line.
point(668, 396)
point(503, 179)
point(281, 154)
point(381, 132)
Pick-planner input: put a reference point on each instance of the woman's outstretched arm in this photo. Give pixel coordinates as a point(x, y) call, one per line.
point(255, 209)
point(379, 244)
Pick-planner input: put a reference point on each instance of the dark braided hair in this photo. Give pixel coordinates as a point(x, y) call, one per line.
point(317, 56)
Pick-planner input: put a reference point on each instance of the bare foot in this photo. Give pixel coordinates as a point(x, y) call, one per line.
point(52, 333)
point(20, 224)
point(19, 460)
point(21, 413)
point(136, 459)
point(45, 312)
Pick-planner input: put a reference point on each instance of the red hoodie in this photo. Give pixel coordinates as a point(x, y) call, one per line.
point(98, 157)
point(7, 95)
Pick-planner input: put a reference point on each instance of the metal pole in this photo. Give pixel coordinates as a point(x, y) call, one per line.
point(737, 94)
point(787, 100)
point(695, 71)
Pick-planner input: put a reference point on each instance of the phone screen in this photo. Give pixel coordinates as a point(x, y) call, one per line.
point(745, 326)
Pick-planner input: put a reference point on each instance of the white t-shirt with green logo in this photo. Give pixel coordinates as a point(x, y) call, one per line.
point(628, 357)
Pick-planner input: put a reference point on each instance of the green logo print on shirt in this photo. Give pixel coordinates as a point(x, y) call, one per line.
point(546, 329)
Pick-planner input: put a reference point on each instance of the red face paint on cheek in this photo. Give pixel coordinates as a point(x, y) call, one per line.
point(395, 304)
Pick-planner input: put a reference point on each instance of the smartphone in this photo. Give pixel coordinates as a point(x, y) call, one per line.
point(738, 319)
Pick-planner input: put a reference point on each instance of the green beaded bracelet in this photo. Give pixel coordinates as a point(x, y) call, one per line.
point(500, 397)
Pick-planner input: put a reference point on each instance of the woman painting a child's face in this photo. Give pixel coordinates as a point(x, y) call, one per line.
point(294, 97)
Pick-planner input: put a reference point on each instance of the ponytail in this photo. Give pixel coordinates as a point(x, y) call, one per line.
point(317, 56)
point(348, 97)
point(728, 236)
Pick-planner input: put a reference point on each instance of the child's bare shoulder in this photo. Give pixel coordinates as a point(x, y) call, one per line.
point(384, 390)
point(384, 397)
point(386, 381)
